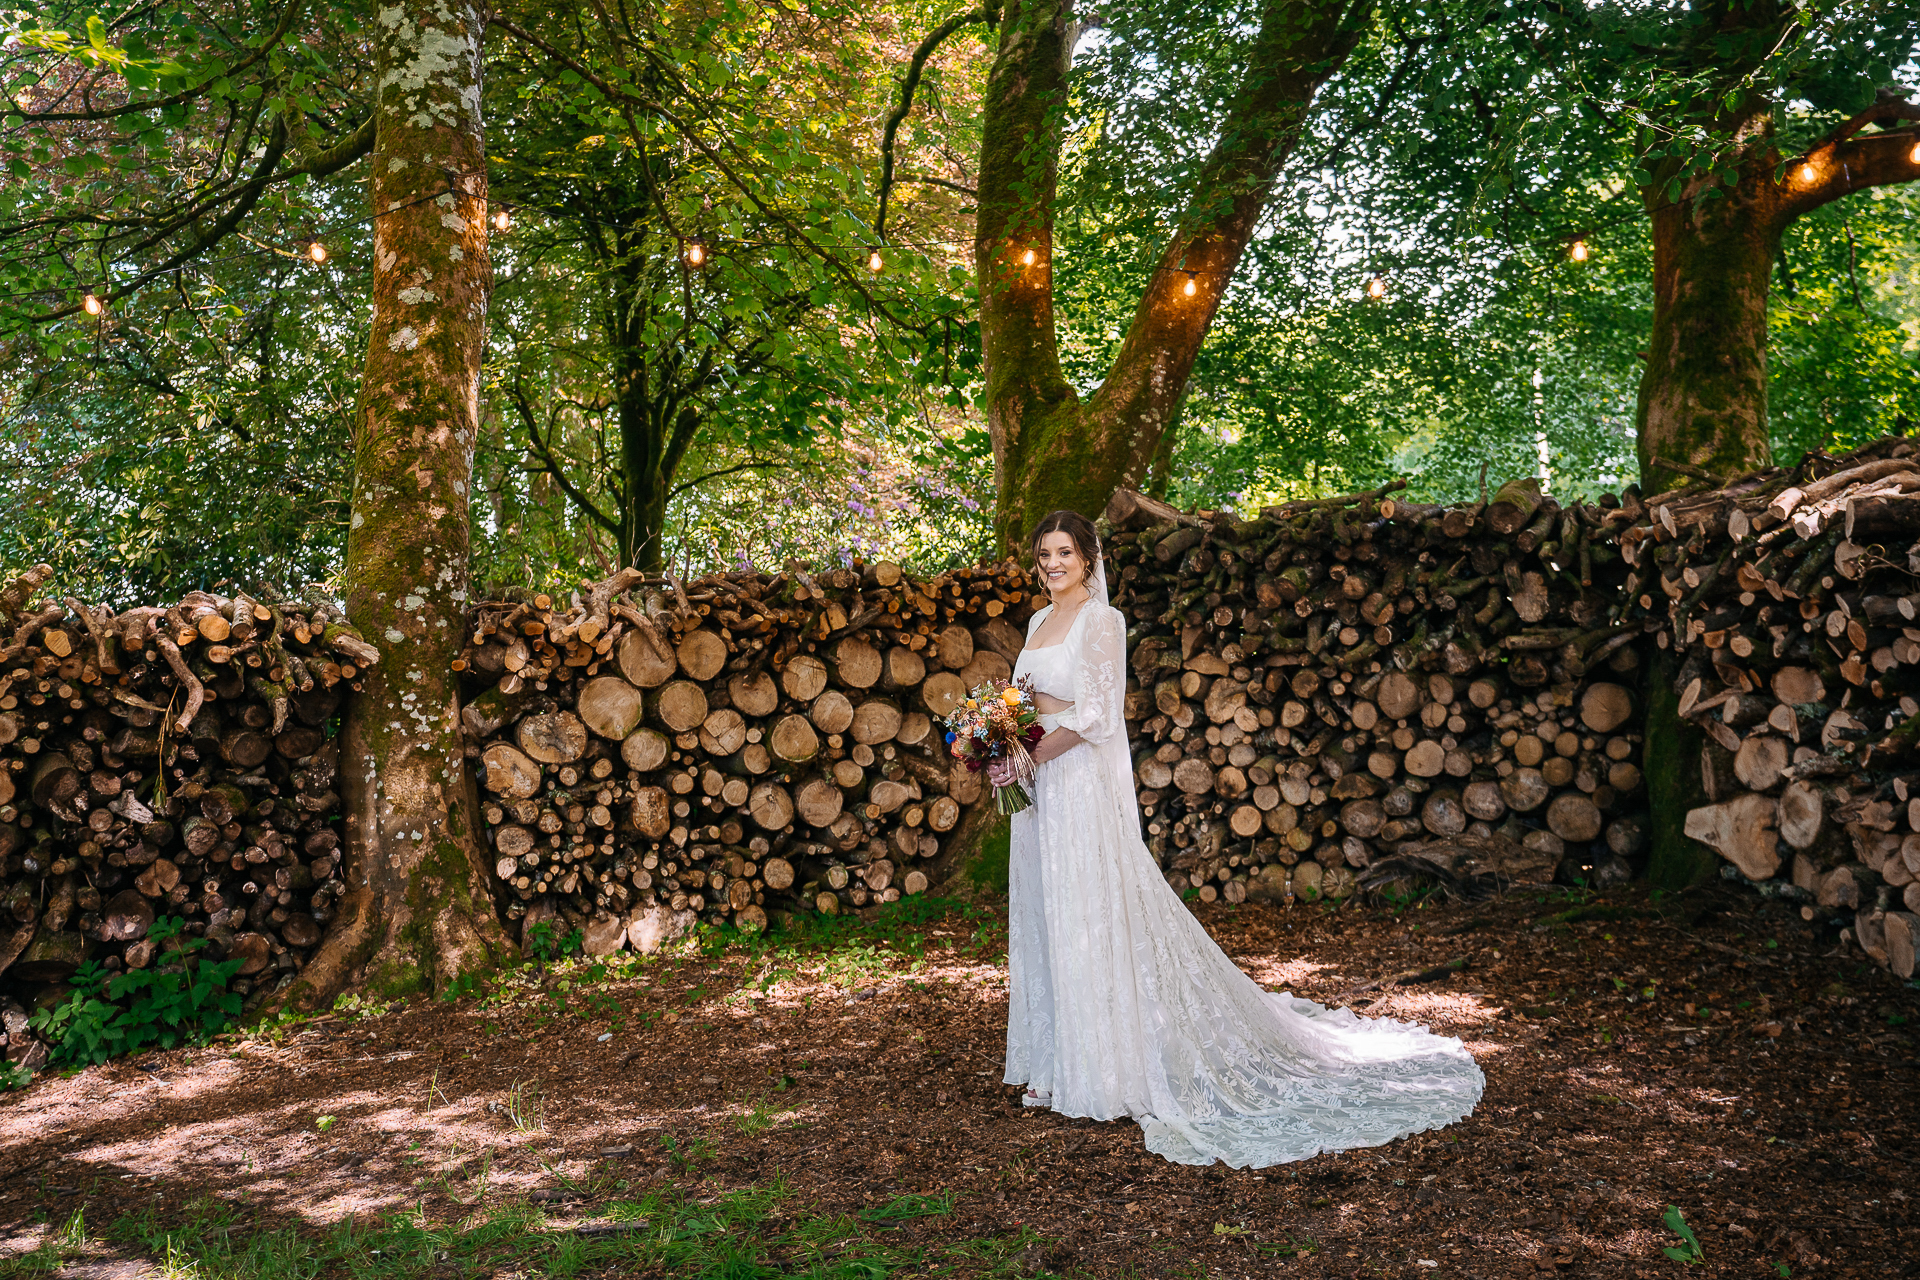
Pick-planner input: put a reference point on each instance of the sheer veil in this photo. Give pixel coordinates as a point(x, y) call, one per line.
point(1099, 586)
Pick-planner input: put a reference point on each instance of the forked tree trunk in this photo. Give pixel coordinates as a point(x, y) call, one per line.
point(418, 910)
point(1052, 449)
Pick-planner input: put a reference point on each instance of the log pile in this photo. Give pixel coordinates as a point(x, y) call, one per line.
point(1357, 690)
point(727, 746)
point(168, 761)
point(1788, 600)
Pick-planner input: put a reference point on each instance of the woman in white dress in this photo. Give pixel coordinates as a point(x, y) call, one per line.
point(1119, 1003)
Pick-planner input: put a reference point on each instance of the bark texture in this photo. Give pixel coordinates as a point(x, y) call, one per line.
point(1051, 448)
point(1703, 395)
point(418, 910)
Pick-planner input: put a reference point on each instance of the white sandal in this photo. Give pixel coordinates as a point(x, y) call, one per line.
point(1034, 1098)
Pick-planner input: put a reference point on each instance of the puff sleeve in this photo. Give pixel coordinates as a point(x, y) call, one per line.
point(1099, 678)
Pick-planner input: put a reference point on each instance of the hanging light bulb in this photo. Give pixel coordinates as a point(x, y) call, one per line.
point(696, 253)
point(1579, 251)
point(94, 305)
point(317, 251)
point(501, 221)
point(1376, 288)
point(1191, 288)
point(875, 262)
point(1808, 173)
point(1026, 259)
point(1913, 156)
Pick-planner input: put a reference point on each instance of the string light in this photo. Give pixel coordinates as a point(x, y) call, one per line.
point(1579, 251)
point(1808, 173)
point(317, 251)
point(1191, 288)
point(875, 262)
point(94, 305)
point(501, 221)
point(1026, 259)
point(1913, 156)
point(696, 253)
point(1376, 288)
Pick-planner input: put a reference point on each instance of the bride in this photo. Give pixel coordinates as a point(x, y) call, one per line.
point(1119, 1003)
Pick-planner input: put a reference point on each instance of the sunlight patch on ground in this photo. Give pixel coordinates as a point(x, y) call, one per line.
point(1434, 1006)
point(1270, 971)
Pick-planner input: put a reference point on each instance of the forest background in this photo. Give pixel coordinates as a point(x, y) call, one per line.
point(690, 356)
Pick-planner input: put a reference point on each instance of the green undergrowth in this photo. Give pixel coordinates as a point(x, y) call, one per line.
point(182, 998)
point(753, 1233)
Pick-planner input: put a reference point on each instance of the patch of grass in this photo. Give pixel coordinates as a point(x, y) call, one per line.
point(688, 1156)
point(909, 1206)
point(47, 1258)
point(523, 1106)
point(737, 1234)
point(764, 1115)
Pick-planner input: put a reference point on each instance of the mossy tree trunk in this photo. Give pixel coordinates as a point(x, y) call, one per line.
point(1703, 394)
point(419, 910)
point(1051, 448)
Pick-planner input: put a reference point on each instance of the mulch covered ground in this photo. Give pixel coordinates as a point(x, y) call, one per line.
point(1708, 1052)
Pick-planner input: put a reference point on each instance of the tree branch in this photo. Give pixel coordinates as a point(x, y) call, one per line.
point(1859, 161)
point(544, 448)
point(685, 485)
point(915, 66)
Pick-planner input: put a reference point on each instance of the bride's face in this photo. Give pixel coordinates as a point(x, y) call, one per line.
point(1061, 565)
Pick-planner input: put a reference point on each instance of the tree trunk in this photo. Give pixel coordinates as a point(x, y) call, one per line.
point(1703, 395)
point(1051, 449)
point(418, 911)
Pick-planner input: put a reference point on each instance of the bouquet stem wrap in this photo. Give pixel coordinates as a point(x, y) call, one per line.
point(1013, 797)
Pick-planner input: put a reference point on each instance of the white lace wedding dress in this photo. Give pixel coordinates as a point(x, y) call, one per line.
point(1121, 1005)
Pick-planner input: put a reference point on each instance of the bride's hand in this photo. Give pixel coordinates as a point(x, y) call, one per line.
point(1000, 772)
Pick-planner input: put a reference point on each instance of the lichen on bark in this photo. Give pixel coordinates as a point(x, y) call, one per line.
point(419, 910)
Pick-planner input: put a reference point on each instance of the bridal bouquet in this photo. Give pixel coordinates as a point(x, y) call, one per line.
point(997, 720)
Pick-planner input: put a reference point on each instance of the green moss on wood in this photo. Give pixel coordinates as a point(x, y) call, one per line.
point(1673, 784)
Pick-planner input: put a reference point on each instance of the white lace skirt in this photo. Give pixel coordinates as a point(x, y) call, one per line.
point(1120, 1004)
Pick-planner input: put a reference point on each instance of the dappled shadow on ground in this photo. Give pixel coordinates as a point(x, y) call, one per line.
point(1707, 1052)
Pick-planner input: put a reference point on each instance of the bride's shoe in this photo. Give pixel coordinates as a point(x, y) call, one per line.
point(1036, 1099)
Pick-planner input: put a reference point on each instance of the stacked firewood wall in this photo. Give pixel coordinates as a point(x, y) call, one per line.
point(1341, 684)
point(172, 761)
point(1788, 598)
point(742, 742)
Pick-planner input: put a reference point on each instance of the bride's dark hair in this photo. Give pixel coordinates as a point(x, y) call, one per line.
point(1075, 526)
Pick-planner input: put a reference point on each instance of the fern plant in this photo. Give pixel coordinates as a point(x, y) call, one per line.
point(184, 1000)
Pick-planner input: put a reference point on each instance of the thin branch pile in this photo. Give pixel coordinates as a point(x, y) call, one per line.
point(1788, 599)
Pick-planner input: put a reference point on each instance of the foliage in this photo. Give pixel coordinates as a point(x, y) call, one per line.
point(180, 1000)
point(687, 297)
point(544, 944)
point(1688, 1251)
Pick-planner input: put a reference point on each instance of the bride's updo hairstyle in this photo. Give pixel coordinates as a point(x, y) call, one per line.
point(1075, 526)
